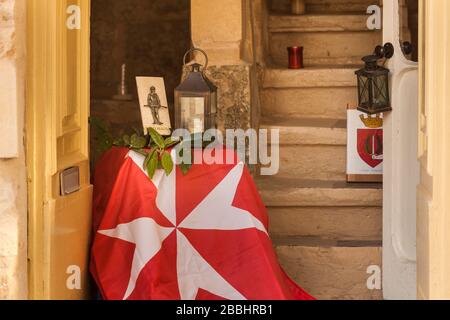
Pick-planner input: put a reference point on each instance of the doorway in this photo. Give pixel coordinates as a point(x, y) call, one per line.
point(57, 137)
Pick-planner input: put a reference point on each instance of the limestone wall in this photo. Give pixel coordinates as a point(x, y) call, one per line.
point(231, 32)
point(13, 187)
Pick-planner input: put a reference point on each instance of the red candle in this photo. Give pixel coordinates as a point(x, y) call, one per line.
point(295, 57)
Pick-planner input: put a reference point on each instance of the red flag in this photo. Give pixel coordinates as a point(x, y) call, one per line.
point(200, 236)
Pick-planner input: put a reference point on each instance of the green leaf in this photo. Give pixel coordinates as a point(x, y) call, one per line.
point(148, 157)
point(167, 163)
point(169, 142)
point(119, 142)
point(99, 125)
point(138, 142)
point(105, 144)
point(185, 168)
point(133, 138)
point(156, 138)
point(152, 164)
point(126, 140)
point(101, 134)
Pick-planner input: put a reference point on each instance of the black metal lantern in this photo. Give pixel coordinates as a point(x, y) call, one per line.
point(196, 99)
point(373, 82)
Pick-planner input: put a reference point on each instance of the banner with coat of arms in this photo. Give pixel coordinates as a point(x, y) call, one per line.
point(364, 147)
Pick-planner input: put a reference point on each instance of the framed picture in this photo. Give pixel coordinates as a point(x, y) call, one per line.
point(364, 147)
point(153, 104)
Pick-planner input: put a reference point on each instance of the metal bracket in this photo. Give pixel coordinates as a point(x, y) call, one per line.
point(387, 51)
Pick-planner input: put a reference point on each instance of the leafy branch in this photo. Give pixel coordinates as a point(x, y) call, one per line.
point(154, 147)
point(103, 138)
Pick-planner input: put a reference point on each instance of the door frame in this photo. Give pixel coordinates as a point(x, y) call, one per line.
point(401, 167)
point(434, 143)
point(44, 99)
point(433, 216)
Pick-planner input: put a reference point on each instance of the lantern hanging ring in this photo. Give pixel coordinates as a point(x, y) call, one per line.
point(193, 50)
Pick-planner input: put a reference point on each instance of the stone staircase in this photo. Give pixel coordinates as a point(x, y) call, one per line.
point(337, 39)
point(326, 232)
point(325, 6)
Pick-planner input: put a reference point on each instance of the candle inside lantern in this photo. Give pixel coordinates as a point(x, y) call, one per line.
point(197, 125)
point(192, 114)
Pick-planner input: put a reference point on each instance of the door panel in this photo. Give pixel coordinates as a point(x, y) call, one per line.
point(401, 167)
point(407, 168)
point(73, 83)
point(57, 116)
point(69, 227)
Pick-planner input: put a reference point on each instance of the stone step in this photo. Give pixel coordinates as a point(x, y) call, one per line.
point(344, 223)
point(309, 93)
point(291, 192)
point(317, 23)
point(324, 48)
point(313, 162)
point(325, 6)
point(310, 131)
point(314, 77)
point(329, 269)
point(313, 149)
point(310, 149)
point(356, 6)
point(321, 102)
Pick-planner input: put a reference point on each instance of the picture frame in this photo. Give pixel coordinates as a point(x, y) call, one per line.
point(364, 147)
point(153, 105)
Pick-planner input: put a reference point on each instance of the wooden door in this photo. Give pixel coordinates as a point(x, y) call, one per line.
point(433, 219)
point(401, 167)
point(57, 140)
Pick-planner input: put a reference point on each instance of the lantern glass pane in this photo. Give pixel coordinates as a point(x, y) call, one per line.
point(193, 114)
point(380, 94)
point(364, 90)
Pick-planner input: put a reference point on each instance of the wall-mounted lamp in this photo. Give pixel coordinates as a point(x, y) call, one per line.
point(373, 82)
